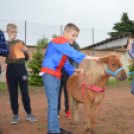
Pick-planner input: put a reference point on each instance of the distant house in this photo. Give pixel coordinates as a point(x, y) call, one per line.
point(115, 43)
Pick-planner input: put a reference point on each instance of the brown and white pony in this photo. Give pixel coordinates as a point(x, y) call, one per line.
point(98, 77)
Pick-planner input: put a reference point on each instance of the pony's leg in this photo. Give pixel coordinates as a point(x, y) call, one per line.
point(87, 109)
point(72, 108)
point(95, 111)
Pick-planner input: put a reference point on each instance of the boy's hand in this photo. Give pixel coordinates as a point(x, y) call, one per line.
point(97, 59)
point(129, 47)
point(78, 71)
point(11, 38)
point(23, 49)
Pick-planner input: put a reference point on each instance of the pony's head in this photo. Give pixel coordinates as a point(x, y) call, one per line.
point(114, 67)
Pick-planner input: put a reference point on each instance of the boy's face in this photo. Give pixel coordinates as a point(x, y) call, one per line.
point(70, 36)
point(12, 33)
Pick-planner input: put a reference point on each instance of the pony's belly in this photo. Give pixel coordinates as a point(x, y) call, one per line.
point(78, 98)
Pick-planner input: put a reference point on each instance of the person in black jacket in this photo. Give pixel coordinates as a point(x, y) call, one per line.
point(3, 49)
point(64, 79)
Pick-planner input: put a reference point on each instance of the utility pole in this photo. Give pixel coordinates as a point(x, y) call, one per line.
point(61, 30)
point(93, 41)
point(25, 32)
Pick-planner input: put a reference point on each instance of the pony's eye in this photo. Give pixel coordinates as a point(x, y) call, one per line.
point(113, 64)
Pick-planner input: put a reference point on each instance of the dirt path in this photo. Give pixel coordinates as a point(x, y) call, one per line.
point(116, 115)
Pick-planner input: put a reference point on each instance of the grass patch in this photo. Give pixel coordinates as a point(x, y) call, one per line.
point(124, 121)
point(112, 82)
point(3, 85)
point(4, 115)
point(39, 126)
point(110, 102)
point(34, 89)
point(111, 132)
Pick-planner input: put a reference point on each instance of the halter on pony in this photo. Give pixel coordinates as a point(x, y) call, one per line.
point(114, 74)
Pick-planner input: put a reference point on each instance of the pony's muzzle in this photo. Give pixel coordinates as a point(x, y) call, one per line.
point(123, 78)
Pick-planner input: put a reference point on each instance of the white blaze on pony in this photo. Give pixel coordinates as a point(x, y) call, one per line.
point(98, 77)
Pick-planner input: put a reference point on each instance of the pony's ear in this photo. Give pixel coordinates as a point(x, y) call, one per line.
point(104, 59)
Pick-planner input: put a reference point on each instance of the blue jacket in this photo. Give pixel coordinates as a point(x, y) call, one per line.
point(3, 46)
point(56, 57)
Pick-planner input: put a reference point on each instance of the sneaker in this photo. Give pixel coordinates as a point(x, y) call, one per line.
point(68, 114)
point(15, 119)
point(31, 118)
point(62, 131)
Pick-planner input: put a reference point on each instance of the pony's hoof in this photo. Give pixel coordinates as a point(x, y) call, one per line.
point(86, 132)
point(93, 132)
point(89, 131)
point(72, 127)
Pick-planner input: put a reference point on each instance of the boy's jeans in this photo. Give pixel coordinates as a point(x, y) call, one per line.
point(51, 85)
point(132, 88)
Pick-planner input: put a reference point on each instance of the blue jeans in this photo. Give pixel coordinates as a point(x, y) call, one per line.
point(132, 88)
point(51, 85)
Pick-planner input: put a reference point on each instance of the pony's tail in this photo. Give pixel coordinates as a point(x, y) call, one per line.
point(73, 106)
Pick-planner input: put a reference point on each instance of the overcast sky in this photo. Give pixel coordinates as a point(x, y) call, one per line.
point(44, 17)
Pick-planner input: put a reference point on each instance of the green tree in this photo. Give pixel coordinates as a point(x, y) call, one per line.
point(124, 26)
point(54, 36)
point(35, 65)
point(36, 62)
point(44, 42)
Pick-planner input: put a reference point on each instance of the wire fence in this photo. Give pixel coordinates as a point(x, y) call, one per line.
point(35, 31)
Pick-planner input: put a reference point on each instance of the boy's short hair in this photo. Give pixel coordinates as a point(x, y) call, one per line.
point(10, 26)
point(71, 26)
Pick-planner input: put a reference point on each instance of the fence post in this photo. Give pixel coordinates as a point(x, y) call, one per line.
point(93, 42)
point(61, 30)
point(25, 32)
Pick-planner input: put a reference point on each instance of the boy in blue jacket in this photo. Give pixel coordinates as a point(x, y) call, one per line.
point(56, 58)
point(3, 49)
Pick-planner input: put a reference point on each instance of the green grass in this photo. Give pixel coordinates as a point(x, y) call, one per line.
point(35, 89)
point(112, 82)
point(4, 115)
point(41, 126)
point(3, 85)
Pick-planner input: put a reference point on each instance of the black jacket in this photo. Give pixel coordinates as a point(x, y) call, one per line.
point(65, 76)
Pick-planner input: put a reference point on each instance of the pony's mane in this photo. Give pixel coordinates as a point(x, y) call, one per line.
point(96, 72)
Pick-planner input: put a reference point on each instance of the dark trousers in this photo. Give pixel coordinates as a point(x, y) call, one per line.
point(17, 74)
point(63, 85)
